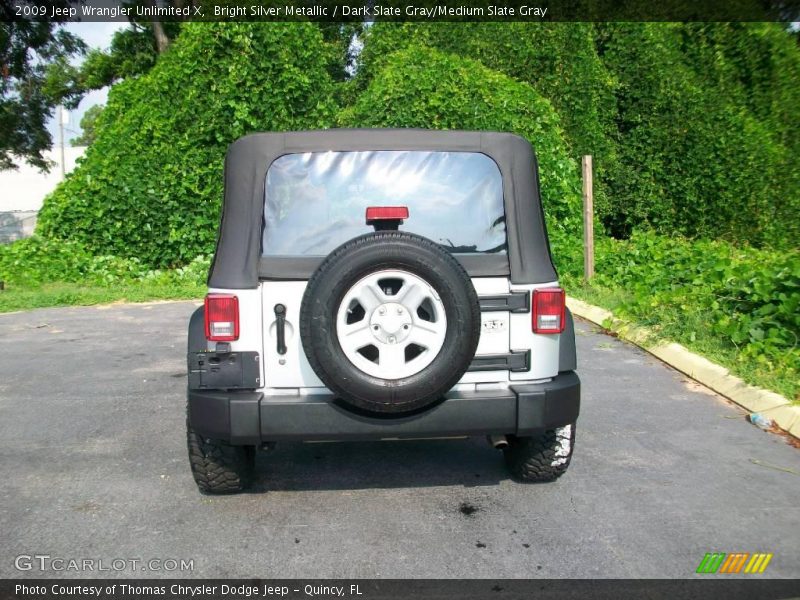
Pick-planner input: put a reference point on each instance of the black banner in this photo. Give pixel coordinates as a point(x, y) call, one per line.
point(400, 10)
point(361, 589)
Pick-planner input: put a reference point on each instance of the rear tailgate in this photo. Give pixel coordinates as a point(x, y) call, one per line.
point(508, 349)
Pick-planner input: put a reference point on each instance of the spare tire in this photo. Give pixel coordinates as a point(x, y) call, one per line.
point(390, 322)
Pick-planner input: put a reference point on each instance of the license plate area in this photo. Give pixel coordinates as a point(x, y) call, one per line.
point(224, 371)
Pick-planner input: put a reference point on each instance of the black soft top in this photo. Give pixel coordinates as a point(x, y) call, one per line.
point(238, 263)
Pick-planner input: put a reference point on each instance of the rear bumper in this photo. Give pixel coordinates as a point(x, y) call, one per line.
point(248, 417)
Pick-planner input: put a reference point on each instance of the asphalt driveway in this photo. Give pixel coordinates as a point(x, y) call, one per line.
point(94, 466)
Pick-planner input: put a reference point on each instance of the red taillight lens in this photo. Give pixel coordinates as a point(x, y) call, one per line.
point(548, 310)
point(222, 317)
point(383, 213)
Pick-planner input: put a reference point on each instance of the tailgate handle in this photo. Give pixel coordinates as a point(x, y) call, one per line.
point(280, 326)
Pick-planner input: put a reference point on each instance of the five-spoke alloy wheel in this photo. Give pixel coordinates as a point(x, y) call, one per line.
point(391, 324)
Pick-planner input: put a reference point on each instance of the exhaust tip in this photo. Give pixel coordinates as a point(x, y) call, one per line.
point(498, 442)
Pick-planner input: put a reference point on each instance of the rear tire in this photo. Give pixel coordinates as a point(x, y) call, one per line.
point(217, 467)
point(541, 458)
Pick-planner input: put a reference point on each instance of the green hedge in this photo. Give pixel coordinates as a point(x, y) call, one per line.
point(695, 128)
point(37, 261)
point(421, 87)
point(558, 60)
point(691, 158)
point(747, 299)
point(150, 186)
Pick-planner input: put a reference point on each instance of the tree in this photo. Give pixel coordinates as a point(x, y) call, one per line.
point(88, 125)
point(704, 125)
point(341, 38)
point(694, 126)
point(150, 185)
point(558, 60)
point(133, 51)
point(160, 36)
point(27, 49)
point(422, 87)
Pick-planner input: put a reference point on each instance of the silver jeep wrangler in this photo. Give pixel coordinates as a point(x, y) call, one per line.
point(381, 284)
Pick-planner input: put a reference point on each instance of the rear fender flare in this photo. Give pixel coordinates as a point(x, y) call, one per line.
point(567, 356)
point(197, 332)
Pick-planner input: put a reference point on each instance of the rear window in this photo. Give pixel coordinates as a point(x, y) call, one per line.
point(316, 201)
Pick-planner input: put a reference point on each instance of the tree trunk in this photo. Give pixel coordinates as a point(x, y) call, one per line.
point(162, 41)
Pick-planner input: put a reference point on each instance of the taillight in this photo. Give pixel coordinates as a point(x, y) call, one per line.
point(222, 317)
point(386, 213)
point(548, 310)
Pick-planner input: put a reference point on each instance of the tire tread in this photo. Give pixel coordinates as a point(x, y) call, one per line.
point(533, 459)
point(217, 467)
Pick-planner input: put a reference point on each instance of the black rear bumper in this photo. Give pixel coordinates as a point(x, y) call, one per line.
point(249, 417)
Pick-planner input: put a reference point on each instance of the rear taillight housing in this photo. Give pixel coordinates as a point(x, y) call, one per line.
point(222, 318)
point(386, 213)
point(548, 310)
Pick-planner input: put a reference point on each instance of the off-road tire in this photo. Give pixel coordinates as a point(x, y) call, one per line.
point(217, 467)
point(541, 458)
point(358, 258)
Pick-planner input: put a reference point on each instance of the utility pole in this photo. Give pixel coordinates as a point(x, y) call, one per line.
point(61, 131)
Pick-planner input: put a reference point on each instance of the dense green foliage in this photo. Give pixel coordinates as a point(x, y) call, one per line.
point(758, 67)
point(691, 159)
point(558, 60)
point(747, 300)
point(39, 272)
point(420, 87)
point(36, 261)
point(150, 186)
point(132, 52)
point(715, 169)
point(694, 127)
point(695, 130)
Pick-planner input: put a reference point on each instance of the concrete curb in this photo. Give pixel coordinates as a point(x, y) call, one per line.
point(711, 375)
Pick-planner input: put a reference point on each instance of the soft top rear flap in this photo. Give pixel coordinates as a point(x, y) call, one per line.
point(238, 263)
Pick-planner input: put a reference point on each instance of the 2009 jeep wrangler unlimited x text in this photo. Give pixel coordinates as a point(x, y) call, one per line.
point(381, 284)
